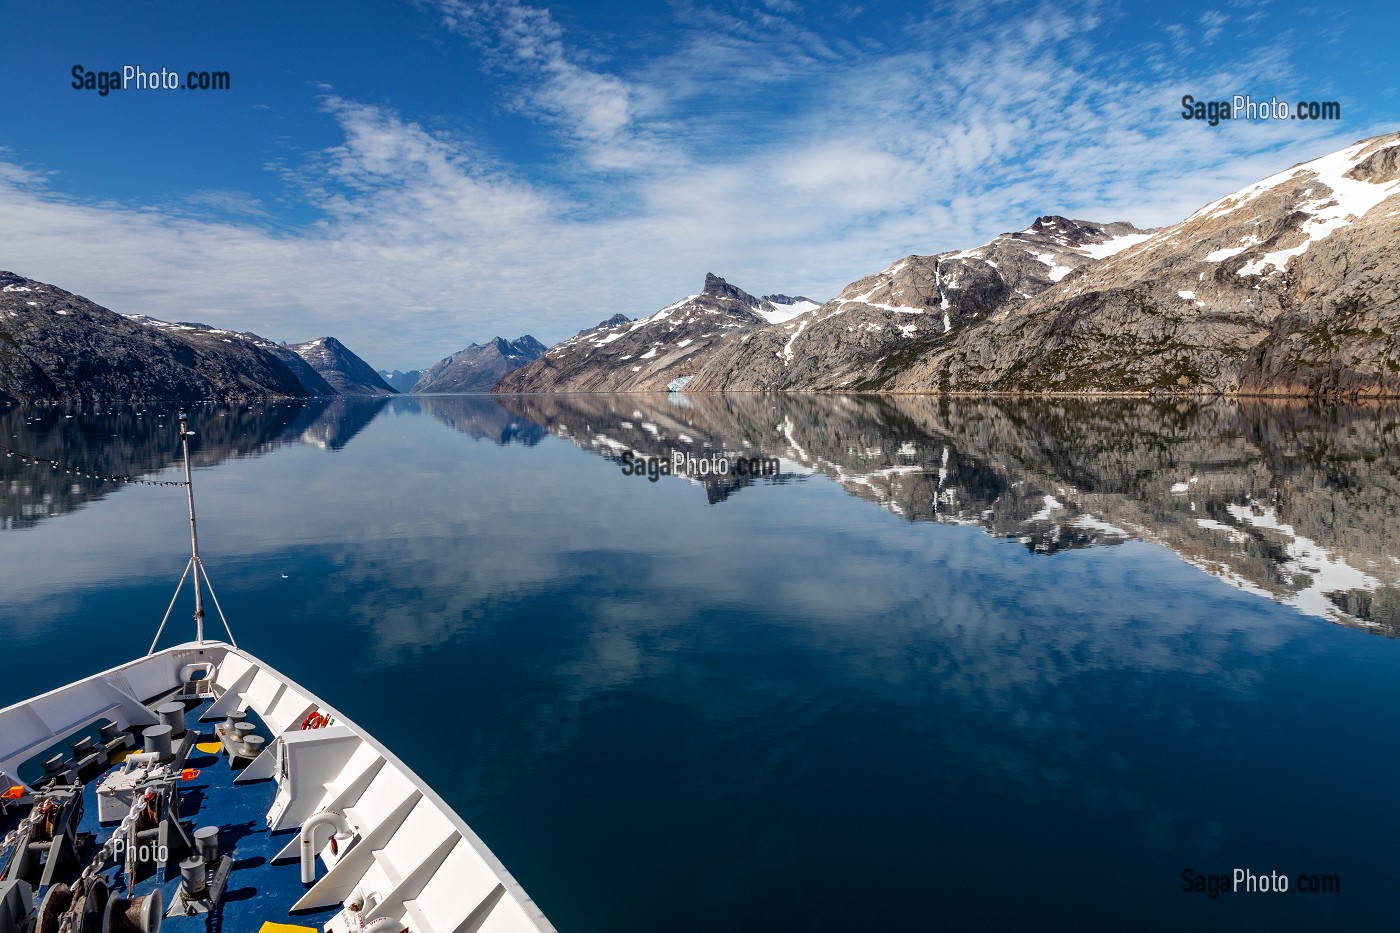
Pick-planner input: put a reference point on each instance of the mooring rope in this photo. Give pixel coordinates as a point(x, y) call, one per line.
point(54, 465)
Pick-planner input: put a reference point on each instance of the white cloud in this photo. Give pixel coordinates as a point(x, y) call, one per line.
point(595, 109)
point(1214, 22)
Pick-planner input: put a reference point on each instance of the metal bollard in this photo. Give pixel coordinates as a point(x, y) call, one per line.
point(157, 739)
point(173, 715)
point(206, 843)
point(194, 880)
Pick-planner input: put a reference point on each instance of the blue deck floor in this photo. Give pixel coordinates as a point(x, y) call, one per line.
point(257, 891)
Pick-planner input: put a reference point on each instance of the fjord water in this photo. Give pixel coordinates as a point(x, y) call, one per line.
point(959, 665)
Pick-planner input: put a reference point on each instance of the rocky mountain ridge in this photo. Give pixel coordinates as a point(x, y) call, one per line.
point(57, 345)
point(1290, 286)
point(725, 339)
point(311, 380)
point(623, 355)
point(917, 300)
point(479, 367)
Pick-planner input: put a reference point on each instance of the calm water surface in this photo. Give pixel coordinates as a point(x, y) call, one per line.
point(957, 666)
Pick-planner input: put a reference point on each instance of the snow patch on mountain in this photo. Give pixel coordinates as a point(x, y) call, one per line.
point(1057, 271)
point(1328, 168)
point(1220, 255)
point(787, 348)
point(781, 308)
point(1331, 200)
point(1113, 246)
point(1346, 200)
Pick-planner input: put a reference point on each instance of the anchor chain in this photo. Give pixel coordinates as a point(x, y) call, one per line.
point(99, 861)
point(25, 825)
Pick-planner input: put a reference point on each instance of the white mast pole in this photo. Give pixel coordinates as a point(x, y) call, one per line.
point(194, 535)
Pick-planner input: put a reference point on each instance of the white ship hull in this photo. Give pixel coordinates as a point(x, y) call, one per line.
point(389, 853)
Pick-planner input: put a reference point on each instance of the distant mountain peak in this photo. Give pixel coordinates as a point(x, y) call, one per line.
point(525, 346)
point(617, 320)
point(340, 367)
point(399, 380)
point(480, 366)
point(652, 352)
point(717, 287)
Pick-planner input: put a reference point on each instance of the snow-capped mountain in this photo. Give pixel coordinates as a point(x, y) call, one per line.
point(724, 338)
point(479, 367)
point(1287, 287)
point(911, 302)
point(1290, 286)
point(963, 285)
point(346, 372)
point(647, 354)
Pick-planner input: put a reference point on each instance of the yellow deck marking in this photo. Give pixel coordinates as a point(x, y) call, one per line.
point(213, 748)
point(270, 927)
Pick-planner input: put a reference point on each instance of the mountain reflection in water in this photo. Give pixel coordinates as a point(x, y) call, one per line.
point(1294, 501)
point(1289, 500)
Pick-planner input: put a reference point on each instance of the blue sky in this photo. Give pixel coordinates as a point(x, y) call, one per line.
point(412, 177)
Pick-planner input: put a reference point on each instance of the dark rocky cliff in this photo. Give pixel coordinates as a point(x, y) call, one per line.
point(57, 345)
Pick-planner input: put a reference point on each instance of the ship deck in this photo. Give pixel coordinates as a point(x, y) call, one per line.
point(257, 892)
